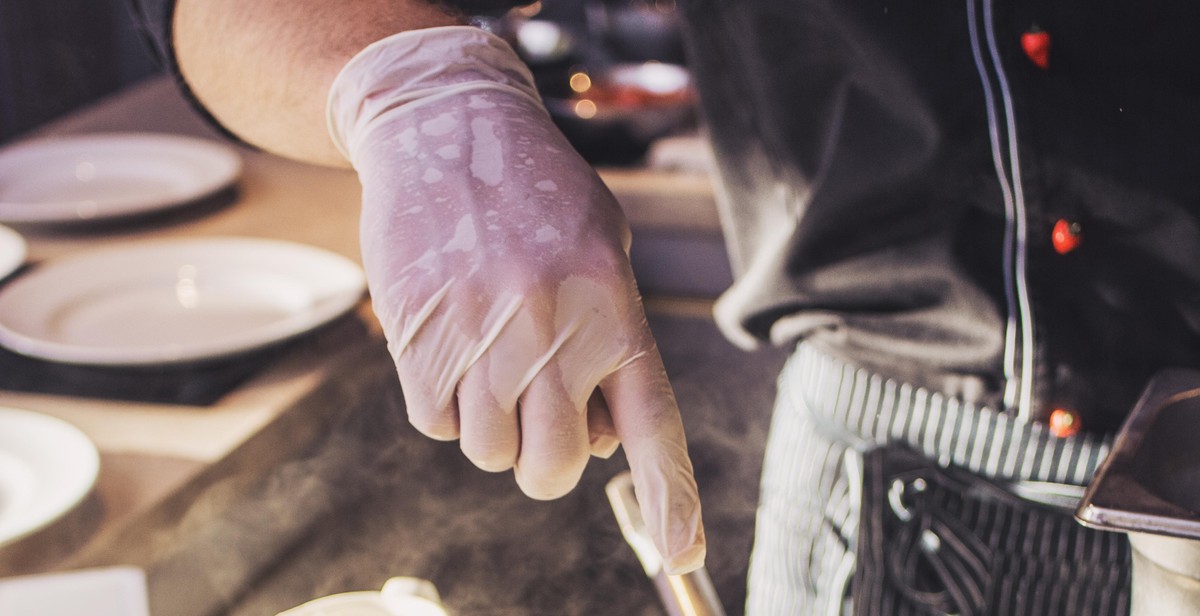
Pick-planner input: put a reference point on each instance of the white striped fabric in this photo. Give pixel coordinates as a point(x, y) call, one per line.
point(873, 410)
point(825, 412)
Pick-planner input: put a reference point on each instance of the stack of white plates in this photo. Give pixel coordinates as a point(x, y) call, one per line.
point(12, 251)
point(173, 301)
point(47, 468)
point(109, 175)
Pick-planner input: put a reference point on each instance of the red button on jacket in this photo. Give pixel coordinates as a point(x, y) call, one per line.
point(1064, 423)
point(1066, 236)
point(1036, 43)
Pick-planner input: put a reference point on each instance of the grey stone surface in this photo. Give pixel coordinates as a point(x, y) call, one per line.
point(341, 494)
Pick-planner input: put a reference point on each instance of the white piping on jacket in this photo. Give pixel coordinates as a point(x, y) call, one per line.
point(1018, 387)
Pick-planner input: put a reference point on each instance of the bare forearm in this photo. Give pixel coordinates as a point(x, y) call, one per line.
point(263, 68)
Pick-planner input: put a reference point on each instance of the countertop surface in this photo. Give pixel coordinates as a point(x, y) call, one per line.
point(424, 511)
point(305, 480)
point(340, 493)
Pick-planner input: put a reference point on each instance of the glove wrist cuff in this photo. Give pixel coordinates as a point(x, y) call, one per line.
point(406, 71)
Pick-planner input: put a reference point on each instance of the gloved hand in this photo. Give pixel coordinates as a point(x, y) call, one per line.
point(498, 266)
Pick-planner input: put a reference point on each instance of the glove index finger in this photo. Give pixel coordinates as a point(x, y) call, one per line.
point(647, 420)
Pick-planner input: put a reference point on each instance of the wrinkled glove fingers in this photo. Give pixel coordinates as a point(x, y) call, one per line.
point(647, 419)
point(435, 420)
point(554, 437)
point(488, 394)
point(490, 433)
point(429, 394)
point(602, 434)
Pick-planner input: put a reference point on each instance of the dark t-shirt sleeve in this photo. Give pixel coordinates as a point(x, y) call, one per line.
point(153, 20)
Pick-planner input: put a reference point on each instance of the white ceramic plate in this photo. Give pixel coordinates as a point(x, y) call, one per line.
point(12, 251)
point(173, 301)
point(109, 175)
point(102, 591)
point(407, 596)
point(47, 467)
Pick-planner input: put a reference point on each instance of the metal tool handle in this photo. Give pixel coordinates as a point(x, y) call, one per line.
point(689, 594)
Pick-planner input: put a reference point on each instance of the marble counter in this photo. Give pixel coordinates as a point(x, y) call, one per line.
point(340, 494)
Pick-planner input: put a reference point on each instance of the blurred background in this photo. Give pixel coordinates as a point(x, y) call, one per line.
point(611, 71)
point(57, 55)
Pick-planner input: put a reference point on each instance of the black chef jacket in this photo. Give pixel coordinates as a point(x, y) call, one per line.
point(894, 173)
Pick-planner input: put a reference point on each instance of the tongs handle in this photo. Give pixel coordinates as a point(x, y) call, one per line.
point(689, 594)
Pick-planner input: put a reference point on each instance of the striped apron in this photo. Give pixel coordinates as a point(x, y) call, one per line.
point(829, 420)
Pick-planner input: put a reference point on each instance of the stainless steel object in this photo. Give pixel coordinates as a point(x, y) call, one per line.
point(1149, 487)
point(690, 594)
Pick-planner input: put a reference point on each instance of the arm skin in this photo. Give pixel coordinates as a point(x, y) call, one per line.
point(264, 67)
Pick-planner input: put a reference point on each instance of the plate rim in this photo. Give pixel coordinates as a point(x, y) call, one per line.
point(87, 474)
point(22, 251)
point(230, 162)
point(277, 331)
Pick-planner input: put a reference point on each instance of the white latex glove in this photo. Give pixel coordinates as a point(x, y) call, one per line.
point(497, 263)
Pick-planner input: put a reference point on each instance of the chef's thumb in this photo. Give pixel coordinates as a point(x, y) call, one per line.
point(646, 417)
